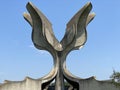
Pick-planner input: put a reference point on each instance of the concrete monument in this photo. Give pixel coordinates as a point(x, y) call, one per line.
point(74, 38)
point(43, 38)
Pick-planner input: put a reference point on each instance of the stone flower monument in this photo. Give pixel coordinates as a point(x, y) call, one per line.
point(43, 38)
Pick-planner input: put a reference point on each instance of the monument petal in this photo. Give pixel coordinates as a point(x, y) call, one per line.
point(76, 34)
point(42, 34)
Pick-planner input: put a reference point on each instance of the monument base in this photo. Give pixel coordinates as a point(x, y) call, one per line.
point(36, 84)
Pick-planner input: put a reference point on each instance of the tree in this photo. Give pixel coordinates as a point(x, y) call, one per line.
point(115, 77)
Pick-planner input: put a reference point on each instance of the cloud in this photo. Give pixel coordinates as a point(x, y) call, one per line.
point(31, 46)
point(39, 51)
point(43, 52)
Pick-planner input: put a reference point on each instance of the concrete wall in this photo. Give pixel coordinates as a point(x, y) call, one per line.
point(32, 84)
point(27, 84)
point(92, 84)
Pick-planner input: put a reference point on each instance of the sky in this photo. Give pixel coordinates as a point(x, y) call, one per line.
point(100, 55)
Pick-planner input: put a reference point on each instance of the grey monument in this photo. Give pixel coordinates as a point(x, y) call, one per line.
point(43, 38)
point(74, 38)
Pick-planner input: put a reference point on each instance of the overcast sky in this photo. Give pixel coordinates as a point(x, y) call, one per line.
point(99, 56)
